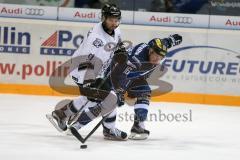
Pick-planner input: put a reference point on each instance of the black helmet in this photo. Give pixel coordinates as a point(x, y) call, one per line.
point(157, 45)
point(111, 10)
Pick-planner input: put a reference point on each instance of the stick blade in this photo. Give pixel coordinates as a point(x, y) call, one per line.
point(76, 134)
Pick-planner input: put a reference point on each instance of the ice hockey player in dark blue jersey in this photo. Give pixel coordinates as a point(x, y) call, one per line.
point(131, 77)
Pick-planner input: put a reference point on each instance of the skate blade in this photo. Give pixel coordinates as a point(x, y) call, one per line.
point(115, 139)
point(51, 120)
point(135, 136)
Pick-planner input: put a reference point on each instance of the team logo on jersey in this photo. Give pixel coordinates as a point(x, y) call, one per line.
point(15, 42)
point(61, 42)
point(98, 43)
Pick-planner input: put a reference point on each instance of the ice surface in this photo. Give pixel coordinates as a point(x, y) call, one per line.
point(213, 133)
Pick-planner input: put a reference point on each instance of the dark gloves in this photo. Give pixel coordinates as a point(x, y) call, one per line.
point(176, 39)
point(120, 55)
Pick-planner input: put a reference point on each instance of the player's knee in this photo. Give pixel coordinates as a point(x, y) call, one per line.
point(109, 103)
point(139, 91)
point(112, 99)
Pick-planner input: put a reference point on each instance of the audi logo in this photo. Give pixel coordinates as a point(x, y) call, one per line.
point(183, 20)
point(34, 11)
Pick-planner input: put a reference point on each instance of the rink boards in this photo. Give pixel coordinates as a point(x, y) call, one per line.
point(204, 69)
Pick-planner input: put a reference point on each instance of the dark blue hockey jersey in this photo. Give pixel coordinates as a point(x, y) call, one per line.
point(140, 69)
point(137, 66)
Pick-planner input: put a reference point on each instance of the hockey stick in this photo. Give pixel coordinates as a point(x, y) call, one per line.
point(79, 137)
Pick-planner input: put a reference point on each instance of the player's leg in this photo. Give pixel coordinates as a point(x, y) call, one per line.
point(103, 108)
point(110, 132)
point(142, 92)
point(138, 130)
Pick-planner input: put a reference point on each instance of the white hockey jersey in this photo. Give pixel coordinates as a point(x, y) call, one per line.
point(98, 43)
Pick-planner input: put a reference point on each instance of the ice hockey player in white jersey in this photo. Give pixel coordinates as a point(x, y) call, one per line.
point(97, 47)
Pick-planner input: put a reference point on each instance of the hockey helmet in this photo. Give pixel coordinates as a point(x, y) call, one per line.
point(111, 10)
point(157, 45)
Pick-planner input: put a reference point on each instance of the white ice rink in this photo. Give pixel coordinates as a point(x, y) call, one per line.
point(213, 133)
